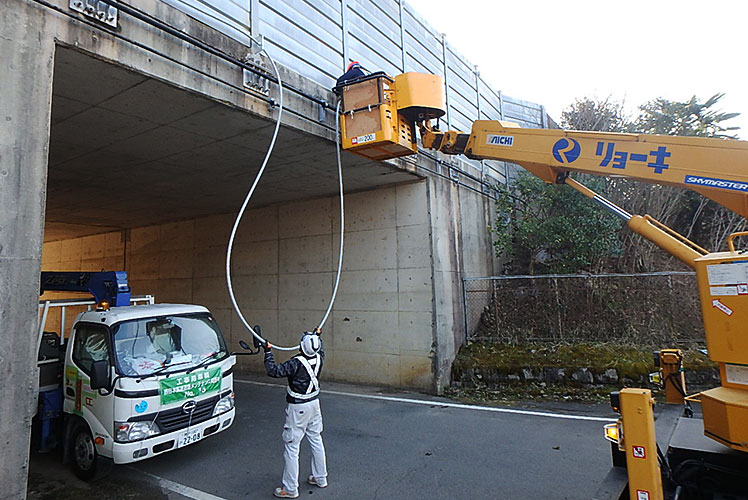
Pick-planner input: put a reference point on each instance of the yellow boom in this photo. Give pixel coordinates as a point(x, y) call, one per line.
point(715, 168)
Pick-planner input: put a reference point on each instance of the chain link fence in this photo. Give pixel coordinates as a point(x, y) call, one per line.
point(651, 309)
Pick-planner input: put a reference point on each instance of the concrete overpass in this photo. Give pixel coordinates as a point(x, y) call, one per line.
point(131, 145)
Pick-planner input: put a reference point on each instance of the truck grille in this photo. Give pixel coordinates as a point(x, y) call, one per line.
point(176, 418)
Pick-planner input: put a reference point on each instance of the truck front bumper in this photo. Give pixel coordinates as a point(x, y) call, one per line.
point(125, 453)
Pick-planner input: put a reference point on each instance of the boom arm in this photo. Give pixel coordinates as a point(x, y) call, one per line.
point(714, 168)
point(672, 242)
point(104, 285)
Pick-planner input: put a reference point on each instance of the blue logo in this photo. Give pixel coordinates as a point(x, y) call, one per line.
point(717, 183)
point(141, 407)
point(566, 150)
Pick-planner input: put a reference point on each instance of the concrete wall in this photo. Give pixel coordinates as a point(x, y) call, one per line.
point(173, 261)
point(461, 247)
point(284, 260)
point(26, 83)
point(398, 319)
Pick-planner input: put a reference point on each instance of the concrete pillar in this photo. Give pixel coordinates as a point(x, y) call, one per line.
point(444, 210)
point(26, 61)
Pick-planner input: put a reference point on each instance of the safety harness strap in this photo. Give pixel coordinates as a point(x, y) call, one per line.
point(313, 388)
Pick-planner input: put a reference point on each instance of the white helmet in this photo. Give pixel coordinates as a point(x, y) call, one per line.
point(310, 344)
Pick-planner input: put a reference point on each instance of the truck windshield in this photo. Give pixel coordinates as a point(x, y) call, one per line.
point(166, 343)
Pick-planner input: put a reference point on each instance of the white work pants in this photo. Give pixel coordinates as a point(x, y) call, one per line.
point(303, 419)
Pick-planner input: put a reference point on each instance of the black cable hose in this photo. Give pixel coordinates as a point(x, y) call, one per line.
point(672, 377)
point(675, 380)
point(685, 471)
point(664, 463)
point(707, 466)
point(446, 177)
point(442, 162)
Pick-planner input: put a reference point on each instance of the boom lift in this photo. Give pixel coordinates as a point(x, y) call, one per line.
point(380, 115)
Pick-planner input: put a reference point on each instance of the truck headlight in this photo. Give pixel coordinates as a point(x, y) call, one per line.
point(224, 404)
point(126, 432)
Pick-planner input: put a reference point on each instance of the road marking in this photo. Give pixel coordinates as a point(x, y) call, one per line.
point(447, 405)
point(181, 488)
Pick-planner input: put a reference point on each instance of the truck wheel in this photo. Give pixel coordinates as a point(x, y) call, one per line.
point(83, 451)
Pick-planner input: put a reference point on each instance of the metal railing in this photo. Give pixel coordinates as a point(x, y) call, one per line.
point(643, 309)
point(79, 304)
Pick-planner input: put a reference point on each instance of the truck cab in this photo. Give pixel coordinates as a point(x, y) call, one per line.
point(128, 381)
point(143, 380)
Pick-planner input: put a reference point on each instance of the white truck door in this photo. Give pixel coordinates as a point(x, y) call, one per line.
point(91, 342)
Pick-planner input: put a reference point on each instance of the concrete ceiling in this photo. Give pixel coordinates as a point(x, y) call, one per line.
point(128, 151)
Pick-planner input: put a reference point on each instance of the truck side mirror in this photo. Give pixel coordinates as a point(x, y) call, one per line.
point(100, 375)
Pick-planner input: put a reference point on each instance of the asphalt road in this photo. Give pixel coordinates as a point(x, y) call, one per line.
point(379, 448)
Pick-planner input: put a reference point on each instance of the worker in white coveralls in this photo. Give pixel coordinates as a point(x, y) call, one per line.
point(303, 415)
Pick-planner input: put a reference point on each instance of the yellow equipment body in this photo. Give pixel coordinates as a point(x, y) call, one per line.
point(714, 168)
point(673, 377)
point(725, 411)
point(723, 290)
point(645, 478)
point(420, 96)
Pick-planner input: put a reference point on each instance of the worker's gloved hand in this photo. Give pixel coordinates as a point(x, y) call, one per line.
point(266, 345)
point(318, 331)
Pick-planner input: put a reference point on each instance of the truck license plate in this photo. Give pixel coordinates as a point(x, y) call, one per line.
point(188, 437)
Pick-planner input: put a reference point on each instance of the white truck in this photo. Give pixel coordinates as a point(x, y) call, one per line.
point(131, 381)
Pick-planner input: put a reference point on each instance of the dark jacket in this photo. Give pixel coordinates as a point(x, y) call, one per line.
point(349, 76)
point(294, 371)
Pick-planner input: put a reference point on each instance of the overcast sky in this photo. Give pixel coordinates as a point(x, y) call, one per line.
point(553, 52)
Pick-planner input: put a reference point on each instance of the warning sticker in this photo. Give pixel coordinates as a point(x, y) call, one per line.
point(719, 305)
point(736, 374)
point(642, 495)
point(639, 452)
point(723, 290)
point(727, 274)
point(363, 138)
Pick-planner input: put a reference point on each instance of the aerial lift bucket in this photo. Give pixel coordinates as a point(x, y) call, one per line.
point(379, 113)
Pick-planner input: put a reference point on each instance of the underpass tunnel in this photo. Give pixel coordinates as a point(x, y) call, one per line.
point(147, 177)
